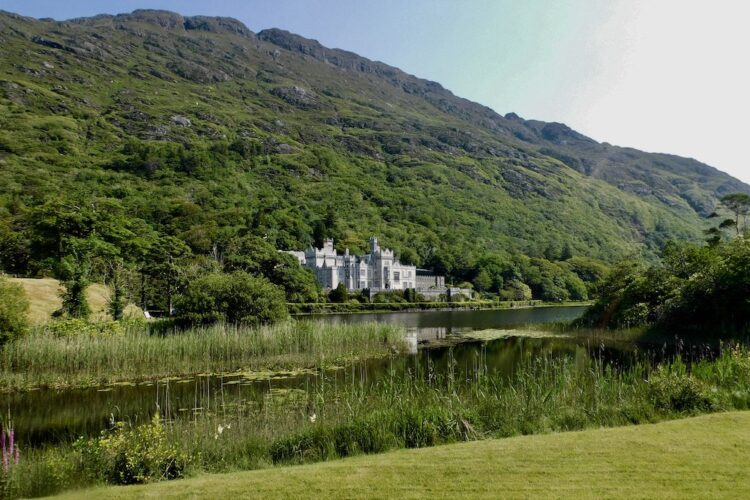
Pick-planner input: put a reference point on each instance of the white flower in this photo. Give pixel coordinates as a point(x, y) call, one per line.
point(313, 417)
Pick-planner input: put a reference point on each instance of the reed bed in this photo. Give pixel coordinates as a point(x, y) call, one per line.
point(422, 406)
point(46, 359)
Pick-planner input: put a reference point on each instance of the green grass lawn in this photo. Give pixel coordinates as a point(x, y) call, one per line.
point(704, 457)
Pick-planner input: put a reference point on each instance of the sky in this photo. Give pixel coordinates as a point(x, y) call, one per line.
point(669, 76)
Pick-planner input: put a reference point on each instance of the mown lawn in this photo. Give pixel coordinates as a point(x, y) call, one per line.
point(704, 457)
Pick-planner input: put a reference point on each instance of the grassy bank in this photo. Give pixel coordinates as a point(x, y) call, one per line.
point(48, 357)
point(701, 457)
point(416, 408)
point(44, 298)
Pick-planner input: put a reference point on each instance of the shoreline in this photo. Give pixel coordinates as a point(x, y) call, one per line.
point(471, 307)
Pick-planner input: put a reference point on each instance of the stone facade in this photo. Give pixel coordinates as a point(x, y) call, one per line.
point(426, 279)
point(377, 271)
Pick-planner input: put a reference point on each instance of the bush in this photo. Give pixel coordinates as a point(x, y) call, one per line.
point(428, 426)
point(412, 428)
point(236, 298)
point(130, 455)
point(677, 391)
point(13, 309)
point(312, 444)
point(339, 294)
point(389, 297)
point(361, 436)
point(73, 327)
point(516, 290)
point(73, 297)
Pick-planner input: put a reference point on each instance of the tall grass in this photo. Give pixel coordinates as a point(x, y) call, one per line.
point(338, 417)
point(46, 358)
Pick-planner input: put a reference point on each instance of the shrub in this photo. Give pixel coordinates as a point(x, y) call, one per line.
point(339, 294)
point(130, 455)
point(312, 444)
point(13, 309)
point(428, 426)
point(674, 390)
point(116, 300)
point(236, 298)
point(361, 436)
point(77, 326)
point(516, 290)
point(74, 302)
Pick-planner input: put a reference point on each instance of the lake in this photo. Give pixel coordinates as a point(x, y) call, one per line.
point(48, 416)
point(429, 325)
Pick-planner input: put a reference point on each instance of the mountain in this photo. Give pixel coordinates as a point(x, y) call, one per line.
point(152, 123)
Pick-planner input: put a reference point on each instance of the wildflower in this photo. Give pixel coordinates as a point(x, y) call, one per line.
point(313, 418)
point(8, 448)
point(220, 430)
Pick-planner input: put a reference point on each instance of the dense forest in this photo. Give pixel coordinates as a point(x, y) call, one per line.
point(151, 150)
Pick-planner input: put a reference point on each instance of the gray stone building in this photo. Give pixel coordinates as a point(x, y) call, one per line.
point(378, 270)
point(426, 279)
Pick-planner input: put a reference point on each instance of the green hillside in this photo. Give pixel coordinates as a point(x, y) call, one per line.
point(118, 132)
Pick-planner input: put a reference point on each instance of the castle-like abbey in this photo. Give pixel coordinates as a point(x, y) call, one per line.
point(378, 270)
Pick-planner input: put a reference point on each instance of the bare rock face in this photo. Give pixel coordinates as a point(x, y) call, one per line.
point(284, 149)
point(163, 18)
point(195, 73)
point(47, 42)
point(169, 21)
point(559, 133)
point(297, 96)
point(217, 25)
point(181, 120)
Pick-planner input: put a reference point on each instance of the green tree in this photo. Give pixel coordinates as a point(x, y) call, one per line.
point(13, 310)
point(74, 303)
point(739, 205)
point(15, 253)
point(715, 298)
point(236, 298)
point(116, 301)
point(482, 281)
point(164, 268)
point(516, 290)
point(567, 251)
point(591, 271)
point(256, 256)
point(339, 294)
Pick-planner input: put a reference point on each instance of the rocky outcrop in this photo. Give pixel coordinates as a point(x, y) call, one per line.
point(297, 96)
point(161, 18)
point(181, 120)
point(217, 25)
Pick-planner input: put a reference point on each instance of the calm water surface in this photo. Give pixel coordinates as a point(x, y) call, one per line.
point(438, 324)
point(47, 416)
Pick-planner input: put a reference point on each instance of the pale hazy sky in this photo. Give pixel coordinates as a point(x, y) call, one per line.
point(660, 75)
